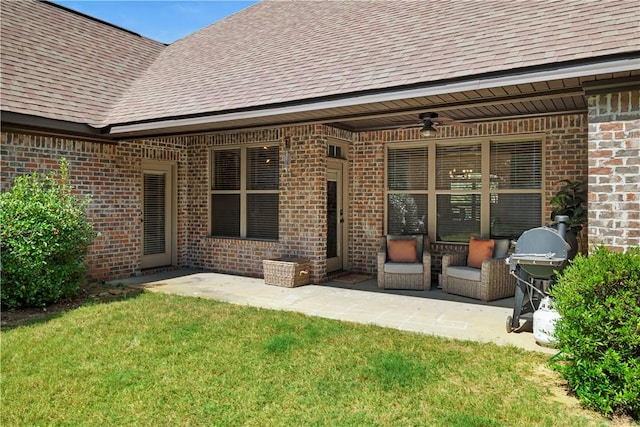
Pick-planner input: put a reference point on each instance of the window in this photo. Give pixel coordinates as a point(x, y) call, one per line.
point(481, 188)
point(407, 185)
point(245, 192)
point(516, 187)
point(459, 191)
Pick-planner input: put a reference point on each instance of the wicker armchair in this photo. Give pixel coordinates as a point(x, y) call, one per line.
point(414, 275)
point(490, 282)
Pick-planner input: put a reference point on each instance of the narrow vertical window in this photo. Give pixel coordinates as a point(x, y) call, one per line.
point(262, 193)
point(407, 185)
point(225, 200)
point(459, 185)
point(516, 187)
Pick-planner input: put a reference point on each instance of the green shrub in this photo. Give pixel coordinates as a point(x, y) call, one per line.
point(45, 237)
point(598, 298)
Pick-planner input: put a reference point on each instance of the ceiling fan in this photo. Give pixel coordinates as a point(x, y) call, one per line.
point(430, 121)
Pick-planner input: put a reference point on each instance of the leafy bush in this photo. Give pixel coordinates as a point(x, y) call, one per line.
point(598, 298)
point(45, 237)
point(571, 200)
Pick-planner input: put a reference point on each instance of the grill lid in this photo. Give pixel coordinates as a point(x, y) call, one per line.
point(541, 251)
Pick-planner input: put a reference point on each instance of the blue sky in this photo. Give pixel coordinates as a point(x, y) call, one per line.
point(164, 21)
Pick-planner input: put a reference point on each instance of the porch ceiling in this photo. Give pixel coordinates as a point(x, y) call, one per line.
point(383, 111)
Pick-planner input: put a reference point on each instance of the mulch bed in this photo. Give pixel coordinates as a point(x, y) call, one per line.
point(95, 293)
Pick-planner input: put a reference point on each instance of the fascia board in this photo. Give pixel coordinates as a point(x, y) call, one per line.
point(616, 66)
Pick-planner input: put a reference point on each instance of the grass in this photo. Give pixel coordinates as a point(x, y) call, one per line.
point(161, 360)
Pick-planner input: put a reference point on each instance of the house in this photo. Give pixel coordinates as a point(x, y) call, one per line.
point(294, 129)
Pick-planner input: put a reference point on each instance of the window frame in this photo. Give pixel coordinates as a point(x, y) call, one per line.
point(485, 191)
point(243, 192)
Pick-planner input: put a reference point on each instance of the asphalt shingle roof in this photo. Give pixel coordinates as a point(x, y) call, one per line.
point(277, 52)
point(60, 65)
point(76, 69)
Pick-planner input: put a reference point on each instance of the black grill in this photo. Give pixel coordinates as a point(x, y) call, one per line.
point(540, 253)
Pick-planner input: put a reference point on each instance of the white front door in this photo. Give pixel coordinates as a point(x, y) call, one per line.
point(157, 217)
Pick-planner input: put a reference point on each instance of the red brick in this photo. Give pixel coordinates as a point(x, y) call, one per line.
point(111, 173)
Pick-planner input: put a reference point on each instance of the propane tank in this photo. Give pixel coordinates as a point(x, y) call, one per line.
point(544, 319)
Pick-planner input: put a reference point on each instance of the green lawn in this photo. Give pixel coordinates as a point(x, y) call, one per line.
point(161, 360)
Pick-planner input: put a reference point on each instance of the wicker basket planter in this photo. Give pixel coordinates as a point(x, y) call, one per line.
point(287, 272)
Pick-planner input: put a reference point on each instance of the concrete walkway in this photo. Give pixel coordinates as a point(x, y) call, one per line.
point(423, 315)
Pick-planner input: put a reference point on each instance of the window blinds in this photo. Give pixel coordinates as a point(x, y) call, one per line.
point(154, 213)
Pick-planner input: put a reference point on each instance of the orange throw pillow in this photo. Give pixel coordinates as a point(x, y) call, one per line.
point(402, 250)
point(479, 250)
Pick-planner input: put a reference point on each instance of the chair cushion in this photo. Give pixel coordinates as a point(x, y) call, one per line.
point(479, 250)
point(501, 248)
point(467, 273)
point(402, 250)
point(403, 268)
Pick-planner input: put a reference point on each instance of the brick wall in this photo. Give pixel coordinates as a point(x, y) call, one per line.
point(614, 169)
point(565, 155)
point(111, 175)
point(366, 198)
point(302, 204)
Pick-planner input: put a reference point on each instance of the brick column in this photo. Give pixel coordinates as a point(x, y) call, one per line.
point(367, 201)
point(614, 169)
point(303, 195)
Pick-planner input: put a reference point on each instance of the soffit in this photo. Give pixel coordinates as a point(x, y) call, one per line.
point(521, 100)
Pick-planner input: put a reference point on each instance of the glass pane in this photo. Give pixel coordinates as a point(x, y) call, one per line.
point(512, 214)
point(226, 170)
point(225, 221)
point(335, 151)
point(407, 214)
point(154, 214)
point(458, 217)
point(262, 216)
point(407, 168)
point(332, 219)
point(262, 168)
point(458, 164)
point(516, 165)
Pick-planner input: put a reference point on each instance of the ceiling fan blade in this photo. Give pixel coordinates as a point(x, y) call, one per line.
point(404, 124)
point(432, 118)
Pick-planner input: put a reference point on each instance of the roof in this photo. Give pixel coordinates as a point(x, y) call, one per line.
point(276, 55)
point(65, 66)
point(282, 52)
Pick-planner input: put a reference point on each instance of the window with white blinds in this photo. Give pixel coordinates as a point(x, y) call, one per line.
point(516, 187)
point(245, 192)
point(459, 185)
point(407, 186)
point(484, 188)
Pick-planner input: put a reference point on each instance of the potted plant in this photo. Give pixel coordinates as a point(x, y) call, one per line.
point(571, 201)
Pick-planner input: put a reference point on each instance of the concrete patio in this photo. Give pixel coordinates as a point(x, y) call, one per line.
point(425, 312)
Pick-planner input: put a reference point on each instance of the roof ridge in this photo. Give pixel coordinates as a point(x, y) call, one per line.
point(98, 20)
